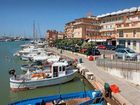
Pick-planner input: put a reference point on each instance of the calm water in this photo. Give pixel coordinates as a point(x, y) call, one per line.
point(7, 62)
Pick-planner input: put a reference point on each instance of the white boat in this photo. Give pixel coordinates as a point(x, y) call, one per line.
point(26, 50)
point(44, 56)
point(59, 73)
point(30, 52)
point(34, 52)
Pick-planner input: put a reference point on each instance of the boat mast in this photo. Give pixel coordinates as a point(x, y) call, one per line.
point(34, 31)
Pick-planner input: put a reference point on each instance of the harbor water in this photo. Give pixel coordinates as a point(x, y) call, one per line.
point(8, 61)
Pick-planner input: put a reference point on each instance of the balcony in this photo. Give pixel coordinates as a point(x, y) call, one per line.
point(107, 29)
point(112, 22)
point(128, 26)
point(92, 29)
point(86, 23)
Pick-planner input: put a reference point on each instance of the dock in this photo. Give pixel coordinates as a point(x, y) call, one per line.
point(129, 94)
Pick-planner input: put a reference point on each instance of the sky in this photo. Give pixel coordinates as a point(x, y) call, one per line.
point(17, 16)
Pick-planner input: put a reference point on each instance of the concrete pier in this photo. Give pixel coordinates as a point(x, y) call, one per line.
point(129, 93)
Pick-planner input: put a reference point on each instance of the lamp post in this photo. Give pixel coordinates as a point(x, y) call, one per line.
point(84, 88)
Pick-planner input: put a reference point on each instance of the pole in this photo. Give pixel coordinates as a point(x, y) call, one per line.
point(84, 86)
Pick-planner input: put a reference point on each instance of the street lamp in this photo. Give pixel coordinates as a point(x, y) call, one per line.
point(83, 82)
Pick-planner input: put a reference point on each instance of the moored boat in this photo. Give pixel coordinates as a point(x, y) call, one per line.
point(59, 73)
point(82, 98)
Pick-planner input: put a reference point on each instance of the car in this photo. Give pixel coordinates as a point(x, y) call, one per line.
point(127, 52)
point(102, 47)
point(75, 49)
point(66, 47)
point(110, 47)
point(83, 50)
point(93, 51)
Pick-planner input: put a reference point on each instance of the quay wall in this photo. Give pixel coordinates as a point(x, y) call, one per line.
point(126, 70)
point(132, 76)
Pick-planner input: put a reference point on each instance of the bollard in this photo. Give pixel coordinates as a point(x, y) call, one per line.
point(102, 56)
point(112, 56)
point(80, 60)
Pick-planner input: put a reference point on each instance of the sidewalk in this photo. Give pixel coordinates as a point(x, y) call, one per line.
point(128, 91)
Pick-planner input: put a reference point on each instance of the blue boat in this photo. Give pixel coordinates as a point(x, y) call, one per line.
point(94, 98)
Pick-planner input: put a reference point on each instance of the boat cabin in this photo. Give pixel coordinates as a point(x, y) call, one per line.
point(59, 69)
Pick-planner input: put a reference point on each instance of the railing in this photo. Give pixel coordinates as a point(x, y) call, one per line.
point(129, 65)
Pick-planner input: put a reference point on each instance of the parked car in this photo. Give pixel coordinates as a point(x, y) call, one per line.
point(66, 47)
point(83, 50)
point(110, 47)
point(102, 47)
point(75, 49)
point(127, 52)
point(93, 51)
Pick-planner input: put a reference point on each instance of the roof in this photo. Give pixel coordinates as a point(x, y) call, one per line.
point(133, 9)
point(60, 64)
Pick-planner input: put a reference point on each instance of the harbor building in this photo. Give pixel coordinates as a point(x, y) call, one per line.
point(86, 27)
point(51, 36)
point(120, 27)
point(124, 26)
point(61, 35)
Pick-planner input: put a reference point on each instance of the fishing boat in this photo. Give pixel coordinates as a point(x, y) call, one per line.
point(34, 52)
point(78, 98)
point(59, 73)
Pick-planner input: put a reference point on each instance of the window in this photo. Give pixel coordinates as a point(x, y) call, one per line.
point(123, 51)
point(134, 33)
point(128, 43)
point(121, 33)
point(63, 68)
point(126, 25)
point(119, 25)
point(60, 69)
point(138, 17)
point(134, 45)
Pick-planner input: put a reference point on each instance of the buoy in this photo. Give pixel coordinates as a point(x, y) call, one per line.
point(114, 88)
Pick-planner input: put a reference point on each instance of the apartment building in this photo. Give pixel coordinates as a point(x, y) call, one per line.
point(86, 27)
point(120, 27)
point(124, 26)
point(61, 35)
point(51, 36)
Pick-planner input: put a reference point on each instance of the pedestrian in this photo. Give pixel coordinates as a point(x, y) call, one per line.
point(108, 92)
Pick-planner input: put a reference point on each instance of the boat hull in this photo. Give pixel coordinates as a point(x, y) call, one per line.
point(24, 85)
point(82, 98)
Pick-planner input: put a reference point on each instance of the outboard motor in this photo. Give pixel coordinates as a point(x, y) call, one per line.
point(12, 72)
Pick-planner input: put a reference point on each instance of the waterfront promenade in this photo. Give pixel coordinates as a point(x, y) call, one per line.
point(129, 93)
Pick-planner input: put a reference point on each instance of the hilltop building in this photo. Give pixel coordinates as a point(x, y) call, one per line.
point(52, 35)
